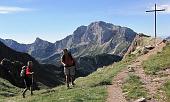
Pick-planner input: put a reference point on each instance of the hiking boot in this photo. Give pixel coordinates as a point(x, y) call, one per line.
point(73, 84)
point(68, 87)
point(23, 95)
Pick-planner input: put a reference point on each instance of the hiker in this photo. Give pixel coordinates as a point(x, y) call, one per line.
point(28, 79)
point(69, 67)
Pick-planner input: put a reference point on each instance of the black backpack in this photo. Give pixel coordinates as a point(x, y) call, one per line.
point(23, 72)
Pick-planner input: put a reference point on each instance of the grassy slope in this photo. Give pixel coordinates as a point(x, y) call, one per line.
point(88, 89)
point(158, 62)
point(7, 89)
point(166, 89)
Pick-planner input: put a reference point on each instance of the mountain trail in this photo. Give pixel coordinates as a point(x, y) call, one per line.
point(115, 93)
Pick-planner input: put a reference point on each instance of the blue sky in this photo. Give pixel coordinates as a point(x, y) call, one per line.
point(52, 20)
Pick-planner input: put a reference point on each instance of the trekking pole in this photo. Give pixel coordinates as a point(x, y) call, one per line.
point(32, 80)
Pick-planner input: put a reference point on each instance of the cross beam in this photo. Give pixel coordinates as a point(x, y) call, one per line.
point(155, 16)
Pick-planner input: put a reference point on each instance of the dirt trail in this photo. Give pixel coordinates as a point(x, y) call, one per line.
point(115, 92)
point(152, 84)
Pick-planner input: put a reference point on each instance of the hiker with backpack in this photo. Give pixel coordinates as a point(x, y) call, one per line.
point(27, 75)
point(69, 67)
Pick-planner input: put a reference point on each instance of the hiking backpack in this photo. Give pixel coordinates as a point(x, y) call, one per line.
point(23, 72)
point(69, 54)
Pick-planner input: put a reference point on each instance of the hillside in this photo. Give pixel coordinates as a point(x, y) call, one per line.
point(94, 86)
point(147, 78)
point(7, 89)
point(90, 88)
point(48, 75)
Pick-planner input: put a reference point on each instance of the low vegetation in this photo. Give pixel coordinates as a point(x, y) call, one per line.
point(7, 89)
point(166, 89)
point(133, 88)
point(158, 62)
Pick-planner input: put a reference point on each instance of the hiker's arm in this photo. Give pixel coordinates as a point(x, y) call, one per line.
point(32, 73)
point(62, 62)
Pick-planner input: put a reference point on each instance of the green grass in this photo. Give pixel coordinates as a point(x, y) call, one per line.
point(166, 89)
point(133, 88)
point(61, 94)
point(157, 62)
point(88, 89)
point(6, 88)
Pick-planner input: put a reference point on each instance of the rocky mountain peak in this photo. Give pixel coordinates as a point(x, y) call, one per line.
point(41, 42)
point(37, 40)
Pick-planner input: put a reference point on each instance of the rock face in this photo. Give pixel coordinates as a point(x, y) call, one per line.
point(96, 38)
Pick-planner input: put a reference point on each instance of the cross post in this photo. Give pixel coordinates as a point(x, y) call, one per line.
point(155, 11)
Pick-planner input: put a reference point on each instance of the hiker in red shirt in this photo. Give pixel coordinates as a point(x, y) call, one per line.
point(28, 79)
point(69, 67)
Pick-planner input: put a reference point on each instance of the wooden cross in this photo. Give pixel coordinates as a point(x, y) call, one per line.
point(155, 16)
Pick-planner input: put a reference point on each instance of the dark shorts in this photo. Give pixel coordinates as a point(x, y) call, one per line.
point(69, 70)
point(28, 82)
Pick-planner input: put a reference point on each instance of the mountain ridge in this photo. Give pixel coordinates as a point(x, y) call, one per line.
point(97, 38)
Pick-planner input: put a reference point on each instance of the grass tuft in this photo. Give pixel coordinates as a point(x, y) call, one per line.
point(133, 88)
point(166, 89)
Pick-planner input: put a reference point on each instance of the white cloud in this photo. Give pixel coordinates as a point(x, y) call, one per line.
point(12, 9)
point(166, 7)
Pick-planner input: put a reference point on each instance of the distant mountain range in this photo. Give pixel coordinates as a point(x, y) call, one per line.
point(168, 38)
point(96, 38)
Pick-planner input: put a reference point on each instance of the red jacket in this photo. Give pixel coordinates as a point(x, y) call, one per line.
point(28, 71)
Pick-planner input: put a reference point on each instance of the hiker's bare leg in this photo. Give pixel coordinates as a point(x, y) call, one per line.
point(72, 80)
point(23, 94)
point(67, 80)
